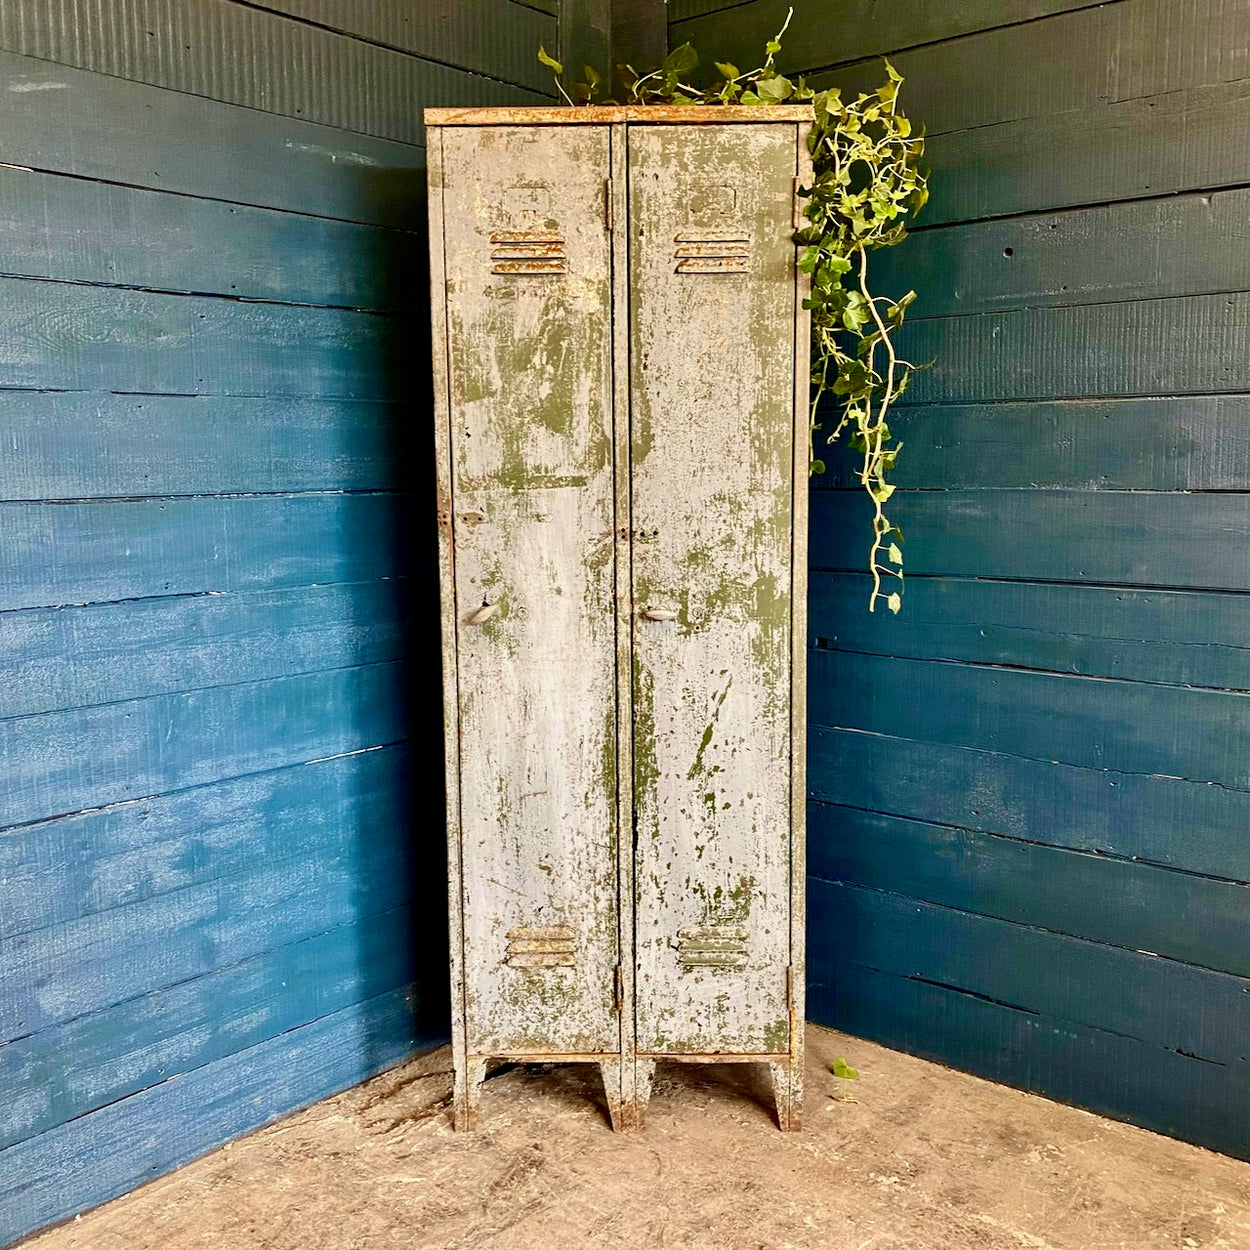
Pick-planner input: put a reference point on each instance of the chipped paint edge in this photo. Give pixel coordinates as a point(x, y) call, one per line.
point(617, 114)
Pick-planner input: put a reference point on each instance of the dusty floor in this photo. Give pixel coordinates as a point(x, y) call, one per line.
point(923, 1159)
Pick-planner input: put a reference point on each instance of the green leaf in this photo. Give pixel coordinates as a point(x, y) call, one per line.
point(727, 69)
point(894, 603)
point(549, 61)
point(680, 60)
point(841, 1068)
point(894, 553)
point(772, 47)
point(775, 89)
point(817, 466)
point(592, 75)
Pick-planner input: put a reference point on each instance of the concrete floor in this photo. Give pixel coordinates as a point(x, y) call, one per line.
point(909, 1157)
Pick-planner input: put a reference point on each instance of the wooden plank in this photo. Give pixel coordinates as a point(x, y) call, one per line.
point(70, 761)
point(1164, 820)
point(97, 961)
point(56, 554)
point(1190, 638)
point(240, 54)
point(111, 1054)
point(1191, 345)
point(498, 38)
point(1156, 915)
point(69, 867)
point(110, 1151)
point(60, 336)
point(1183, 141)
point(1107, 537)
point(1146, 249)
point(819, 36)
point(1122, 726)
point(1174, 443)
point(1120, 1077)
point(77, 230)
point(58, 658)
point(1080, 59)
point(239, 153)
point(84, 445)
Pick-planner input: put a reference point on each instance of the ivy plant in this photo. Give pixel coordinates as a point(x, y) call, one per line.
point(868, 180)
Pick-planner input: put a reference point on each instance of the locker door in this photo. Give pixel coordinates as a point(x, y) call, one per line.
point(530, 375)
point(712, 282)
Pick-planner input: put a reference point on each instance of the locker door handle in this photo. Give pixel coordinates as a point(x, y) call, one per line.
point(658, 613)
point(483, 614)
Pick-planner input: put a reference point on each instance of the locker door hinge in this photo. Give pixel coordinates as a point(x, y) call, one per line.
point(618, 989)
point(607, 204)
point(797, 220)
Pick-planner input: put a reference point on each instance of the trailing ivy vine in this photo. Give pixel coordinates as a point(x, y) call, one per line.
point(867, 180)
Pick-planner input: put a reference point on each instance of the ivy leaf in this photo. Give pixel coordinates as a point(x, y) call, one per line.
point(894, 603)
point(549, 61)
point(843, 1069)
point(592, 76)
point(894, 554)
point(727, 69)
point(817, 466)
point(680, 61)
point(775, 89)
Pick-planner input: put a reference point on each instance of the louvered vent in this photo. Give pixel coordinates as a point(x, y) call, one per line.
point(527, 252)
point(712, 251)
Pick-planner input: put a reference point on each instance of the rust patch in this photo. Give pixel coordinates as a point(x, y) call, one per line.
point(541, 946)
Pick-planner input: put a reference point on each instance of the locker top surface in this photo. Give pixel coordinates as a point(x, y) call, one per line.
point(609, 114)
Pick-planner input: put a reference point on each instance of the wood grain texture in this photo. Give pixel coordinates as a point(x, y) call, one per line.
point(98, 1156)
point(1120, 726)
point(1146, 249)
point(88, 338)
point(1187, 638)
point(116, 131)
point(1083, 58)
point(1174, 443)
point(1045, 891)
point(1192, 345)
point(62, 762)
point(75, 229)
point(712, 683)
point(819, 36)
point(242, 54)
point(127, 1048)
point(100, 552)
point(1154, 1087)
point(1189, 825)
point(92, 861)
point(1124, 538)
point(92, 445)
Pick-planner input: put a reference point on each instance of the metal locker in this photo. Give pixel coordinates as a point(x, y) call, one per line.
point(620, 362)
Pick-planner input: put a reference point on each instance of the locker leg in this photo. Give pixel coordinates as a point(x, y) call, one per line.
point(644, 1070)
point(613, 1071)
point(467, 1094)
point(788, 1093)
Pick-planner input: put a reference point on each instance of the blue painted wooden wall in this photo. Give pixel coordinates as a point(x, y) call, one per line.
point(1031, 791)
point(221, 864)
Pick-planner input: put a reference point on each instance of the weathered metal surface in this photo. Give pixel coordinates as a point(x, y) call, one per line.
point(615, 114)
point(712, 392)
point(529, 359)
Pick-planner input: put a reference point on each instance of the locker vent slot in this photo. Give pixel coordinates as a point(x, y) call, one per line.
point(711, 251)
point(712, 946)
point(527, 252)
point(541, 946)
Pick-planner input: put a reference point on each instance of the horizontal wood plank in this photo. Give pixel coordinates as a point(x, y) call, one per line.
point(1121, 1077)
point(1192, 345)
point(1122, 726)
point(93, 445)
point(1192, 638)
point(97, 961)
point(1107, 537)
point(498, 38)
point(101, 552)
point(73, 1068)
point(1176, 443)
point(62, 762)
point(1143, 249)
point(820, 36)
point(117, 131)
point(1075, 60)
point(1195, 139)
point(59, 336)
point(114, 1149)
point(1045, 892)
point(242, 54)
point(77, 230)
point(1163, 820)
point(63, 869)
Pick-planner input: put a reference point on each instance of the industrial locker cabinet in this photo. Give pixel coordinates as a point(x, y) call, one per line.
point(621, 372)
